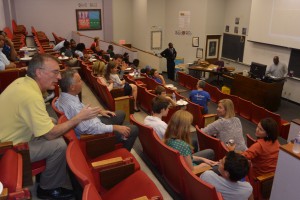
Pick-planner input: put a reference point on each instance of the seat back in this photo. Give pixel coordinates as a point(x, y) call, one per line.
point(90, 192)
point(258, 113)
point(171, 170)
point(196, 111)
point(146, 137)
point(79, 166)
point(245, 108)
point(208, 142)
point(106, 96)
point(213, 92)
point(11, 170)
point(191, 84)
point(145, 98)
point(8, 76)
point(58, 112)
point(194, 187)
point(250, 140)
point(234, 99)
point(180, 78)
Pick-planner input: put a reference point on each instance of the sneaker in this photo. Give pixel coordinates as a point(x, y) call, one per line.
point(57, 193)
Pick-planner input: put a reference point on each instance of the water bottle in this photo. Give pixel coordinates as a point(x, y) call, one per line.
point(296, 147)
point(26, 54)
point(174, 96)
point(139, 72)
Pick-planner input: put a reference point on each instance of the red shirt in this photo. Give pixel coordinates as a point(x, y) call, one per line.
point(263, 155)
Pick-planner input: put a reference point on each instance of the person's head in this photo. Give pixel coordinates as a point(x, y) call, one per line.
point(136, 62)
point(44, 69)
point(276, 60)
point(110, 47)
point(73, 43)
point(160, 105)
point(225, 108)
point(267, 129)
point(160, 91)
point(80, 47)
point(70, 82)
point(201, 84)
point(2, 41)
point(154, 73)
point(111, 68)
point(67, 44)
point(96, 39)
point(170, 45)
point(234, 166)
point(118, 58)
point(179, 126)
point(99, 68)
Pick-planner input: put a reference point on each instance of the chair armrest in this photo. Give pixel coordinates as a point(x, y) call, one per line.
point(4, 194)
point(209, 118)
point(264, 184)
point(93, 142)
point(200, 170)
point(265, 177)
point(110, 176)
point(125, 103)
point(4, 146)
point(117, 92)
point(107, 163)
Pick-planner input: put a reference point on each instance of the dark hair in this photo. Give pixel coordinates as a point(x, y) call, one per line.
point(110, 47)
point(80, 47)
point(271, 128)
point(159, 89)
point(109, 67)
point(67, 79)
point(152, 71)
point(159, 103)
point(66, 44)
point(38, 61)
point(136, 62)
point(118, 56)
point(201, 84)
point(236, 165)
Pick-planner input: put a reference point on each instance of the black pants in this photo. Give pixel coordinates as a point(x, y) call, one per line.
point(171, 69)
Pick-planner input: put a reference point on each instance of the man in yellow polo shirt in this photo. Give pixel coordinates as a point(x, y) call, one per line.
point(23, 118)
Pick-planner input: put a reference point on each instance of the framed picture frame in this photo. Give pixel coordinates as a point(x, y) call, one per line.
point(156, 40)
point(195, 41)
point(88, 19)
point(199, 53)
point(212, 48)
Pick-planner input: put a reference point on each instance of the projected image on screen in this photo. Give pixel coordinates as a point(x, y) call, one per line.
point(257, 70)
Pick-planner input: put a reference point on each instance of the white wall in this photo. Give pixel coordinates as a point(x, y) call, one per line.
point(2, 17)
point(53, 16)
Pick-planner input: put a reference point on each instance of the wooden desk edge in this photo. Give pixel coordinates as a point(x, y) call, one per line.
point(288, 148)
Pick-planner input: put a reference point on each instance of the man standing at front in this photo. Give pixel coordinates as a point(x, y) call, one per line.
point(23, 118)
point(170, 54)
point(277, 69)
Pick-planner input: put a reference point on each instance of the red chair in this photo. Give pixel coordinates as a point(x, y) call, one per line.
point(145, 98)
point(58, 112)
point(213, 91)
point(90, 192)
point(194, 187)
point(147, 139)
point(245, 108)
point(258, 113)
point(180, 78)
point(250, 140)
point(11, 175)
point(191, 84)
point(208, 142)
point(284, 126)
point(98, 147)
point(8, 76)
point(170, 164)
point(135, 185)
point(57, 39)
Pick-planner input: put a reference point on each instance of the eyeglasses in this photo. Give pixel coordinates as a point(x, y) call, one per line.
point(56, 72)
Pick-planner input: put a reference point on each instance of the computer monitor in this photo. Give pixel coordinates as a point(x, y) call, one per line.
point(257, 70)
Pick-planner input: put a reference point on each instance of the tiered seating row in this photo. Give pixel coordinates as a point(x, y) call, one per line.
point(244, 108)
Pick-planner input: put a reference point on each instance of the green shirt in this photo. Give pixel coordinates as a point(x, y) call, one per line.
point(181, 146)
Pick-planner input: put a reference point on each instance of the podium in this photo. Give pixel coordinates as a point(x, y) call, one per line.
point(267, 95)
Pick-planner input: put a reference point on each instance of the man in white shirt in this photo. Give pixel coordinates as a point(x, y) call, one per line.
point(233, 167)
point(160, 108)
point(277, 69)
point(4, 62)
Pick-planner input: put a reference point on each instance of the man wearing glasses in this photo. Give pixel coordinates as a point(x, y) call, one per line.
point(23, 118)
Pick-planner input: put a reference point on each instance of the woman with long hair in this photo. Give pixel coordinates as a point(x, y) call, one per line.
point(227, 127)
point(177, 136)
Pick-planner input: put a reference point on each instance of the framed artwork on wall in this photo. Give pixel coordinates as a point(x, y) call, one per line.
point(88, 19)
point(212, 48)
point(199, 53)
point(156, 40)
point(195, 41)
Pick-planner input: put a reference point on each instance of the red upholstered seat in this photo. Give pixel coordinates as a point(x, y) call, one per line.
point(92, 153)
point(208, 142)
point(195, 187)
point(90, 193)
point(58, 112)
point(258, 113)
point(136, 185)
point(245, 108)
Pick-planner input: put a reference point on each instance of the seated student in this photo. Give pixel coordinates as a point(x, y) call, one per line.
point(110, 51)
point(111, 75)
point(80, 48)
point(200, 96)
point(99, 70)
point(4, 62)
point(157, 77)
point(233, 167)
point(146, 70)
point(68, 102)
point(135, 64)
point(95, 47)
point(160, 91)
point(58, 46)
point(73, 46)
point(8, 48)
point(121, 65)
point(228, 126)
point(177, 136)
point(66, 49)
point(160, 108)
point(263, 154)
point(126, 58)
